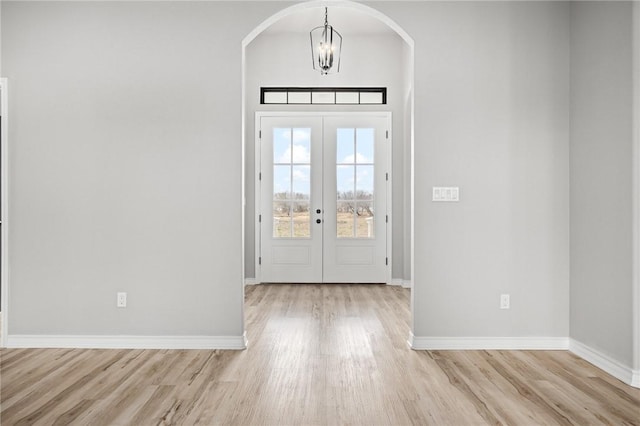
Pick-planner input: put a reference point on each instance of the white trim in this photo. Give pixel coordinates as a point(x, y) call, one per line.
point(251, 281)
point(127, 342)
point(321, 114)
point(591, 355)
point(635, 195)
point(4, 212)
point(389, 201)
point(412, 192)
point(257, 194)
point(635, 378)
point(401, 283)
point(243, 194)
point(605, 362)
point(488, 343)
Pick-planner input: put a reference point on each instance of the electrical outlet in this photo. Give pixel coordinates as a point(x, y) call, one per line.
point(121, 300)
point(504, 301)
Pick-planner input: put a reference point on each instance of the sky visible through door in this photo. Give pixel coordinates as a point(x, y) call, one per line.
point(354, 182)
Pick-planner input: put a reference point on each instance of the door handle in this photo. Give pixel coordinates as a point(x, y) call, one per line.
point(318, 221)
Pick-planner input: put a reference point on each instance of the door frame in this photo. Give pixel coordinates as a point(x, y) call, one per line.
point(321, 114)
point(4, 213)
point(635, 148)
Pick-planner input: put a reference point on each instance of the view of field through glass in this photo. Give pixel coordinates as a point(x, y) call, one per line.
point(291, 182)
point(354, 182)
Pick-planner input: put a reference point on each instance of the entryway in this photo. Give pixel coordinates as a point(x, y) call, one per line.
point(323, 186)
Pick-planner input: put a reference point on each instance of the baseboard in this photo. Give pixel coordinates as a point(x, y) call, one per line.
point(635, 380)
point(394, 281)
point(488, 343)
point(605, 363)
point(400, 283)
point(127, 342)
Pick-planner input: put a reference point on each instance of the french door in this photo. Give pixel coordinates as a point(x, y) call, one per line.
point(323, 185)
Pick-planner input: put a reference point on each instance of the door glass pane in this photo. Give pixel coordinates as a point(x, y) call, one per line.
point(345, 219)
point(291, 182)
point(281, 146)
point(345, 182)
point(301, 220)
point(354, 182)
point(301, 152)
point(345, 146)
point(281, 219)
point(301, 182)
point(364, 219)
point(364, 182)
point(281, 182)
point(364, 146)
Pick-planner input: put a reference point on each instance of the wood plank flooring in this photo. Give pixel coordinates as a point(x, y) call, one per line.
point(318, 355)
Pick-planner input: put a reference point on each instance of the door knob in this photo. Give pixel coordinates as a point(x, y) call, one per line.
point(318, 221)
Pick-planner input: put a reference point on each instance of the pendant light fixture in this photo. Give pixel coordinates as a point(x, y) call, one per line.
point(326, 44)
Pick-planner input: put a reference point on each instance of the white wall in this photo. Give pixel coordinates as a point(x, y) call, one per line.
point(601, 177)
point(126, 152)
point(126, 143)
point(284, 60)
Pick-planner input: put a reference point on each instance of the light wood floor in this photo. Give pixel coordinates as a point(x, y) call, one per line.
point(318, 354)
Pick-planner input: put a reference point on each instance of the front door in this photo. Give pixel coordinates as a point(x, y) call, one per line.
point(323, 189)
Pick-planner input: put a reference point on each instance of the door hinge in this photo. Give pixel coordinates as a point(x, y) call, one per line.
point(259, 134)
point(387, 176)
point(386, 260)
point(259, 218)
point(387, 134)
point(386, 218)
point(260, 176)
point(260, 261)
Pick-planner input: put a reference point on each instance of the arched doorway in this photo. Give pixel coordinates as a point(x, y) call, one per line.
point(279, 27)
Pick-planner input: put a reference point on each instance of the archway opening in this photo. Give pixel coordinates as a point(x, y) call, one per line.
point(376, 52)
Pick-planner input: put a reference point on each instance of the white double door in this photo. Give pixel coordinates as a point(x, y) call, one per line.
point(323, 190)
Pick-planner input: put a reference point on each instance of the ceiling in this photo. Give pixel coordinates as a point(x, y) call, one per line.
point(346, 21)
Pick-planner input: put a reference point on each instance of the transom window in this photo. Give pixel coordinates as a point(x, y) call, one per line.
point(323, 95)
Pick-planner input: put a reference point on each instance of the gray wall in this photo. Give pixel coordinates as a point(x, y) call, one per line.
point(359, 68)
point(601, 177)
point(126, 145)
point(126, 157)
point(492, 116)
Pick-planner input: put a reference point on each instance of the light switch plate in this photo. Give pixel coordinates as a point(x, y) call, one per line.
point(446, 193)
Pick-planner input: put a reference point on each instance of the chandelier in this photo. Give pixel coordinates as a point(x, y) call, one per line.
point(326, 44)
